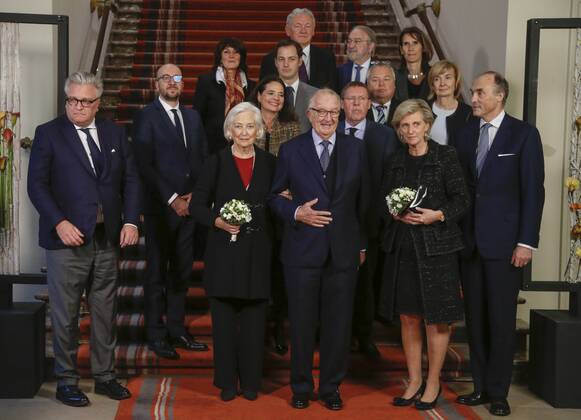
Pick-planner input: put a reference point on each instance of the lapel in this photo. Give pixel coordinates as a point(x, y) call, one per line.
point(74, 141)
point(188, 128)
point(341, 127)
point(105, 143)
point(170, 127)
point(309, 154)
point(338, 151)
point(314, 63)
point(347, 71)
point(257, 172)
point(500, 142)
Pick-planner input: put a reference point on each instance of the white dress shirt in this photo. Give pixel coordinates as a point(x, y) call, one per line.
point(363, 72)
point(360, 126)
point(295, 86)
point(307, 59)
point(385, 106)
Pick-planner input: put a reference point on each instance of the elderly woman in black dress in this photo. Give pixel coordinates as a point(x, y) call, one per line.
point(237, 274)
point(421, 279)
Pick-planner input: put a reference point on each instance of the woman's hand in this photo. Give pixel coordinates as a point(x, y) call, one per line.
point(421, 216)
point(231, 229)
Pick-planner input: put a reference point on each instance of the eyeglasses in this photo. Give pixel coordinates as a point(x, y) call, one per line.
point(322, 113)
point(85, 103)
point(177, 78)
point(355, 41)
point(356, 98)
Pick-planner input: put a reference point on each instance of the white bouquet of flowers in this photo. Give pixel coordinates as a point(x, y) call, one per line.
point(236, 212)
point(404, 198)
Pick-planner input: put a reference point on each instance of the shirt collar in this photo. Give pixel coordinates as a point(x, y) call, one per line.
point(91, 126)
point(167, 106)
point(365, 65)
point(295, 85)
point(317, 139)
point(359, 126)
point(221, 78)
point(496, 121)
point(307, 52)
point(376, 104)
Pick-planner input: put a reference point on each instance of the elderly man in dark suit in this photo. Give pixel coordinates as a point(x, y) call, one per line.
point(322, 245)
point(380, 142)
point(318, 67)
point(170, 146)
point(502, 158)
point(360, 48)
point(381, 85)
point(83, 181)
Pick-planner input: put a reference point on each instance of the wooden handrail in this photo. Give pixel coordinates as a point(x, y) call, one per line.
point(420, 10)
point(104, 10)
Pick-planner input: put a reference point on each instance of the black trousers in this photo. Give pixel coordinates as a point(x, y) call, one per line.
point(368, 281)
point(238, 332)
point(169, 253)
point(319, 296)
point(490, 296)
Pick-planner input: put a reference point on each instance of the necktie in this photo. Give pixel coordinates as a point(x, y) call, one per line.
point(178, 125)
point(96, 155)
point(352, 131)
point(303, 75)
point(483, 146)
point(358, 72)
point(324, 159)
point(289, 96)
point(381, 118)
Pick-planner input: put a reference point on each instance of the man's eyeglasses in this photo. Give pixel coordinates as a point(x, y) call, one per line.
point(167, 78)
point(322, 113)
point(85, 103)
point(355, 98)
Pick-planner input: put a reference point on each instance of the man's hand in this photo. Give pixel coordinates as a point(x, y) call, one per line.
point(286, 194)
point(180, 206)
point(187, 197)
point(129, 236)
point(69, 234)
point(521, 256)
point(316, 218)
point(231, 229)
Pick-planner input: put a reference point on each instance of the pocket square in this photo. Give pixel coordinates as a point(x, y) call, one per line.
point(112, 150)
point(506, 154)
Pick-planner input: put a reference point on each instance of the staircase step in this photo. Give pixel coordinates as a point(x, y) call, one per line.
point(278, 16)
point(132, 272)
point(285, 5)
point(130, 299)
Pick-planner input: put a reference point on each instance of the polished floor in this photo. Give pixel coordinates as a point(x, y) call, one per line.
point(525, 406)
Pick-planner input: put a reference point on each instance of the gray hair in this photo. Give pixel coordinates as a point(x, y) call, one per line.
point(239, 109)
point(370, 32)
point(411, 106)
point(299, 11)
point(321, 92)
point(84, 78)
point(385, 64)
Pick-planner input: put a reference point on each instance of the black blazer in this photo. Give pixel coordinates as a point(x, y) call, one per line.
point(323, 67)
point(456, 121)
point(380, 143)
point(392, 107)
point(401, 83)
point(165, 165)
point(209, 101)
point(238, 269)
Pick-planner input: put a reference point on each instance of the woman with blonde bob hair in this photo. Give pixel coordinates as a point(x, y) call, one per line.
point(450, 114)
point(237, 274)
point(421, 280)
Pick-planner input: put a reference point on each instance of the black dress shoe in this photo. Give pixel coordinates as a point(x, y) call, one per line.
point(228, 394)
point(499, 407)
point(112, 389)
point(300, 401)
point(425, 405)
point(475, 398)
point(333, 401)
point(250, 395)
point(71, 395)
point(162, 349)
point(404, 402)
point(188, 343)
point(369, 349)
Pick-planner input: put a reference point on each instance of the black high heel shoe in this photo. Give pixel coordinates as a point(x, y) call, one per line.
point(423, 405)
point(404, 402)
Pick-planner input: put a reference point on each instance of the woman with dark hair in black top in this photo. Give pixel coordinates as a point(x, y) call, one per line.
point(411, 76)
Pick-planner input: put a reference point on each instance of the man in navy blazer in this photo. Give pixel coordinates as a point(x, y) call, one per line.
point(381, 85)
point(83, 181)
point(170, 146)
point(322, 245)
point(380, 142)
point(360, 48)
point(502, 158)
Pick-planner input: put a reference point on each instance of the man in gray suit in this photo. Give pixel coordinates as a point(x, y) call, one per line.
point(288, 61)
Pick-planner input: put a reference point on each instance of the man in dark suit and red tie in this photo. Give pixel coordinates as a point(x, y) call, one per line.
point(380, 142)
point(318, 67)
point(502, 158)
point(170, 146)
point(83, 181)
point(323, 245)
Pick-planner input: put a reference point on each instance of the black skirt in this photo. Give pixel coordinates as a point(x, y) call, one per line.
point(408, 293)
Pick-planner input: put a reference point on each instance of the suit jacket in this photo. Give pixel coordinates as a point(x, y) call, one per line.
point(323, 67)
point(392, 107)
point(344, 72)
point(456, 121)
point(299, 170)
point(240, 269)
point(303, 96)
point(209, 101)
point(508, 196)
point(63, 186)
point(166, 166)
point(401, 83)
point(380, 143)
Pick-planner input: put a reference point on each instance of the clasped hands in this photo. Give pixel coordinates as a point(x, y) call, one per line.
point(181, 205)
point(420, 216)
point(72, 236)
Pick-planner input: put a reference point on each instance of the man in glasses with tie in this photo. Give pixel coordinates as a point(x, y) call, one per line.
point(380, 142)
point(170, 147)
point(360, 48)
point(502, 158)
point(381, 84)
point(322, 245)
point(83, 181)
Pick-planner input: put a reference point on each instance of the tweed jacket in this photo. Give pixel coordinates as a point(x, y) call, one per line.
point(279, 133)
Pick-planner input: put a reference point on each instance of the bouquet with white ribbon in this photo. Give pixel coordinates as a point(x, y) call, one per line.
point(236, 212)
point(405, 198)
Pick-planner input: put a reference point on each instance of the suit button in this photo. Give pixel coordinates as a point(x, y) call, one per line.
point(187, 175)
